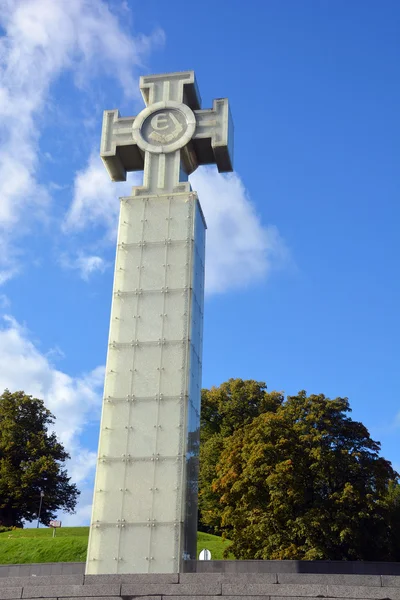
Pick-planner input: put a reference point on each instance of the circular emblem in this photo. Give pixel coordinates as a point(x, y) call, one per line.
point(164, 127)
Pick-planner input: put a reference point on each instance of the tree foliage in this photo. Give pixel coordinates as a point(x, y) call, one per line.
point(224, 409)
point(234, 404)
point(31, 460)
point(298, 480)
point(392, 500)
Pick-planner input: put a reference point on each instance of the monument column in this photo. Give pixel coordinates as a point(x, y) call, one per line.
point(145, 498)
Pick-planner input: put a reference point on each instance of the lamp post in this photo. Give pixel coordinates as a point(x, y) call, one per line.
point(40, 507)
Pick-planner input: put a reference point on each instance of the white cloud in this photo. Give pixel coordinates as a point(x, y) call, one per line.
point(9, 254)
point(240, 249)
point(75, 401)
point(82, 465)
point(42, 39)
point(71, 399)
point(7, 274)
point(86, 265)
point(95, 199)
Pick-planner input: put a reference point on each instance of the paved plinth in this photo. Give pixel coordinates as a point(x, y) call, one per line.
point(201, 586)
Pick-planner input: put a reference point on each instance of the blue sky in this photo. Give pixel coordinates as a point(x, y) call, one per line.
point(303, 287)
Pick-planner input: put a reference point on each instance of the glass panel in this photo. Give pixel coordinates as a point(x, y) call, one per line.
point(150, 313)
point(114, 428)
point(173, 375)
point(138, 502)
point(135, 549)
point(103, 550)
point(131, 221)
point(178, 275)
point(123, 322)
point(153, 267)
point(167, 495)
point(175, 319)
point(171, 417)
point(164, 549)
point(119, 372)
point(127, 269)
point(146, 381)
point(193, 411)
point(109, 488)
point(144, 416)
point(180, 219)
point(156, 219)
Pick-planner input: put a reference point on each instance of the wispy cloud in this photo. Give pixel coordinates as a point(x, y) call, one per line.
point(241, 250)
point(95, 199)
point(41, 41)
point(85, 38)
point(86, 265)
point(72, 399)
point(75, 401)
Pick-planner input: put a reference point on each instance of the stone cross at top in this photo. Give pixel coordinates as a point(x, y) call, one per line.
point(170, 138)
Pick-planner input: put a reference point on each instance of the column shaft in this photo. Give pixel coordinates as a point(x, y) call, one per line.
point(145, 500)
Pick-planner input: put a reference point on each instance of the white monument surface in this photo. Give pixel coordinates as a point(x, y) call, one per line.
point(144, 517)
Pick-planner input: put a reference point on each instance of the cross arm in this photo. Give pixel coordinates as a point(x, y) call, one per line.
point(213, 140)
point(118, 151)
point(181, 87)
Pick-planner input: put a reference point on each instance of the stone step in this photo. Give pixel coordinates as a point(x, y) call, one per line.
point(202, 586)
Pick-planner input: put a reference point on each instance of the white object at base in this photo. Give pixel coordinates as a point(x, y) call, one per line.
point(205, 555)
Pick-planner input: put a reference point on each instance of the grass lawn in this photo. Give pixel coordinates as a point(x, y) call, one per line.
point(70, 545)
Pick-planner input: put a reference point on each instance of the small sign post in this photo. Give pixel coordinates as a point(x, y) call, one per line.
point(54, 525)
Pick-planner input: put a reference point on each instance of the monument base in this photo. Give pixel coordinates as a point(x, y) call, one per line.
point(234, 584)
point(317, 567)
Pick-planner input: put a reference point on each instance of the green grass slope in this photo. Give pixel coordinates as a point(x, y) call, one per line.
point(70, 545)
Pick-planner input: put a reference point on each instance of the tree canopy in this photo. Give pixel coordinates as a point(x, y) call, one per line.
point(32, 461)
point(224, 409)
point(297, 479)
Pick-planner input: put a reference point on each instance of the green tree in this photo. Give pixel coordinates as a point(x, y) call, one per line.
point(306, 482)
point(234, 404)
point(31, 460)
point(223, 410)
point(392, 500)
